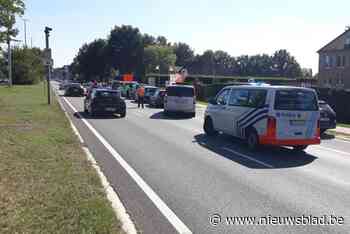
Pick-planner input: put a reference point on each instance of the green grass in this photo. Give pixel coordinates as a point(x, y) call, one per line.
point(46, 183)
point(202, 103)
point(343, 125)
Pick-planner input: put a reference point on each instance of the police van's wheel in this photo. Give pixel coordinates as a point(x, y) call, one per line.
point(252, 140)
point(299, 147)
point(209, 127)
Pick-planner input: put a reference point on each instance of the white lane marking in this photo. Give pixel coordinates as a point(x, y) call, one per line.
point(334, 150)
point(157, 201)
point(248, 157)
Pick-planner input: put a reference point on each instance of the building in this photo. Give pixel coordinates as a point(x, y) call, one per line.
point(334, 63)
point(62, 73)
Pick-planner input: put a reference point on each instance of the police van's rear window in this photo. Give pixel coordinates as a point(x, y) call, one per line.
point(301, 100)
point(180, 91)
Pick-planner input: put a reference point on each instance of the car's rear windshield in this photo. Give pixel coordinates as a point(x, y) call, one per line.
point(106, 94)
point(180, 91)
point(150, 90)
point(296, 99)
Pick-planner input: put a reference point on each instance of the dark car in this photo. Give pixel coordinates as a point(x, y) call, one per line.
point(149, 91)
point(74, 90)
point(328, 118)
point(157, 100)
point(104, 101)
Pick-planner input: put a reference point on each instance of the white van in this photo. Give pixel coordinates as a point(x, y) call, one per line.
point(266, 115)
point(180, 99)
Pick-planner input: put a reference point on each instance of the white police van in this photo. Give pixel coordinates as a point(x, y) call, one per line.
point(265, 115)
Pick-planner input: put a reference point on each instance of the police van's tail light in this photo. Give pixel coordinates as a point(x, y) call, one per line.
point(271, 127)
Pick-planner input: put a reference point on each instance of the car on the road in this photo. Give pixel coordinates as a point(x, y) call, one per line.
point(328, 118)
point(157, 99)
point(150, 91)
point(74, 90)
point(125, 87)
point(104, 101)
point(180, 99)
point(266, 115)
point(62, 85)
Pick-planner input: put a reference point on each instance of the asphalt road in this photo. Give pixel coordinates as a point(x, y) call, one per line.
point(197, 176)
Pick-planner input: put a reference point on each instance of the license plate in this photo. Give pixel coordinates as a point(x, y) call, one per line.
point(324, 119)
point(110, 109)
point(297, 122)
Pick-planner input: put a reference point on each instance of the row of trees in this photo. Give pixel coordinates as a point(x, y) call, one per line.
point(27, 65)
point(127, 50)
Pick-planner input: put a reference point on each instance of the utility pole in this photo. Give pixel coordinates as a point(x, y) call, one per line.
point(48, 62)
point(9, 58)
point(25, 31)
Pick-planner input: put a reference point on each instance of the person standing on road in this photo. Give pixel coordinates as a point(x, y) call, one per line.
point(140, 96)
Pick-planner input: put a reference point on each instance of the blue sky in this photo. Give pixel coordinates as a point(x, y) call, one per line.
point(238, 27)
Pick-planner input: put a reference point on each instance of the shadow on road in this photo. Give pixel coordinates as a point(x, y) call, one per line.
point(170, 116)
point(327, 136)
point(277, 157)
point(78, 115)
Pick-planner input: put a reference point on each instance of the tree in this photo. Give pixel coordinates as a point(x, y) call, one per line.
point(184, 54)
point(125, 49)
point(9, 9)
point(162, 56)
point(161, 40)
point(28, 67)
point(286, 64)
point(91, 61)
point(148, 40)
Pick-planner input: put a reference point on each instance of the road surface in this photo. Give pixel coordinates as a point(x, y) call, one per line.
point(198, 177)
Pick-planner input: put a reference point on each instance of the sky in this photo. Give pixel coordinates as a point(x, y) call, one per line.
point(237, 27)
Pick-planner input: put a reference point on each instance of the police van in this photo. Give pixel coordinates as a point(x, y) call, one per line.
point(266, 115)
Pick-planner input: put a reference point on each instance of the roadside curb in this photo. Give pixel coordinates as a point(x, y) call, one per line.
point(118, 207)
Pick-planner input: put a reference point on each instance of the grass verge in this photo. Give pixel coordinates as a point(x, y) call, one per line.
point(343, 125)
point(202, 103)
point(46, 183)
point(339, 134)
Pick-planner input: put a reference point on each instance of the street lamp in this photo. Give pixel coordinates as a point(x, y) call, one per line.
point(158, 69)
point(9, 58)
point(25, 30)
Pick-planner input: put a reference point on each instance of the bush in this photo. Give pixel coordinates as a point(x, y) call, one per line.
point(28, 67)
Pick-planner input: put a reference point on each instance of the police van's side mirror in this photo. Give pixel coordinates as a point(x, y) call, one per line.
point(212, 101)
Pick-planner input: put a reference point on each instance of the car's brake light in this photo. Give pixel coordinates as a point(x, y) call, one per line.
point(271, 127)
